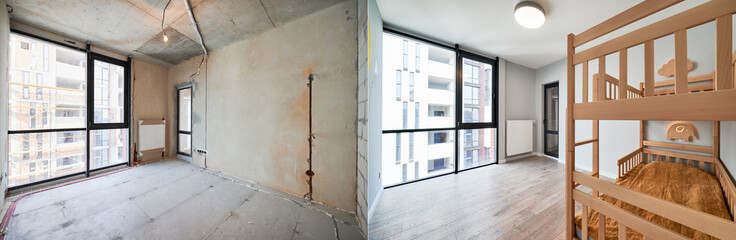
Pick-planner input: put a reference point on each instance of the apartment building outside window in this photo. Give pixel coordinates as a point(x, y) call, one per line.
point(411, 86)
point(406, 55)
point(55, 118)
point(456, 114)
point(398, 85)
point(417, 59)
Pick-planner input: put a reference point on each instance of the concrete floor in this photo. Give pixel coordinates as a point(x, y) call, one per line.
point(173, 199)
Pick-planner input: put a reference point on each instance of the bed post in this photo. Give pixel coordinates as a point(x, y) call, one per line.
point(570, 141)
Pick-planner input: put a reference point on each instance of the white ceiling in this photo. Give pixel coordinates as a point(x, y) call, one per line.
point(488, 26)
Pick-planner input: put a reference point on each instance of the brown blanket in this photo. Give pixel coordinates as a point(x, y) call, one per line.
point(673, 182)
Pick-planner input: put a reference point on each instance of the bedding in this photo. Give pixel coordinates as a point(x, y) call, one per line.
point(673, 182)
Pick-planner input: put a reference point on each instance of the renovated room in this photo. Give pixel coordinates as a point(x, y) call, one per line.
point(368, 119)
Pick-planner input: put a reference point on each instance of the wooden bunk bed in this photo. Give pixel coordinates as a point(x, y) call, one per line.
point(628, 209)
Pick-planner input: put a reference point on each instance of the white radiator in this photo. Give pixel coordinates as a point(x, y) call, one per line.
point(519, 137)
point(151, 136)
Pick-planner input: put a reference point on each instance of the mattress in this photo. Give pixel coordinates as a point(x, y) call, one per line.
point(673, 182)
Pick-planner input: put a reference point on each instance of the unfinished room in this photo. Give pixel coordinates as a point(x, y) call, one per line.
point(368, 119)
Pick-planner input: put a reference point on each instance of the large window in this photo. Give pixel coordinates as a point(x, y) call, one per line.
point(50, 127)
point(454, 128)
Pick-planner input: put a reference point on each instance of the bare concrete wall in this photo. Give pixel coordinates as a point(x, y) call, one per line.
point(149, 95)
point(4, 38)
point(254, 97)
point(181, 75)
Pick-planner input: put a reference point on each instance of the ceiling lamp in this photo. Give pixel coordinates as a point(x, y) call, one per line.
point(529, 14)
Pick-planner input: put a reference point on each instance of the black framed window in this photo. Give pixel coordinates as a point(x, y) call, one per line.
point(109, 117)
point(456, 126)
point(184, 120)
point(58, 117)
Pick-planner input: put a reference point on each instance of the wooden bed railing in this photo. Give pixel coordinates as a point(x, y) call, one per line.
point(629, 161)
point(700, 221)
point(612, 88)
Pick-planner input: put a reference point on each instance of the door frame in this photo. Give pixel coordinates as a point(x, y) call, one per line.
point(179, 88)
point(544, 118)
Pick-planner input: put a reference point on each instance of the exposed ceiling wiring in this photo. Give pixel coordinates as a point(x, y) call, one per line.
point(163, 18)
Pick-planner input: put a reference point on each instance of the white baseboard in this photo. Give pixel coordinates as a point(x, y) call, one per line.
point(373, 206)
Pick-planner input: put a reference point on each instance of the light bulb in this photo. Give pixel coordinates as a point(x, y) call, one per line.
point(529, 14)
point(166, 38)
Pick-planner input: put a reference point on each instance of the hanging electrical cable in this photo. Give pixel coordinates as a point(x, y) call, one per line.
point(163, 18)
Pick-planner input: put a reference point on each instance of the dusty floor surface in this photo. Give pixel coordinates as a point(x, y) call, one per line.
point(173, 199)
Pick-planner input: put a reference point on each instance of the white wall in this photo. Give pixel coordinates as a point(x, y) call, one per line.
point(518, 99)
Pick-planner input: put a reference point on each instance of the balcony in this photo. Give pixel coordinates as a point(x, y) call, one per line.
point(68, 122)
point(71, 72)
point(440, 97)
point(440, 122)
point(441, 150)
point(70, 97)
point(442, 70)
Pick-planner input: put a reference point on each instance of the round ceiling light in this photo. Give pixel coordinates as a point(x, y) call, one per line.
point(529, 14)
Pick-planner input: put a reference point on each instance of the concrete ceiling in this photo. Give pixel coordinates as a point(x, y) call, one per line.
point(133, 27)
point(488, 26)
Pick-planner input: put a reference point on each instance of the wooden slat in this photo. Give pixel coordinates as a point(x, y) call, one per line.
point(700, 221)
point(690, 18)
point(622, 231)
point(729, 188)
point(724, 68)
point(622, 19)
point(716, 140)
point(681, 61)
point(637, 223)
point(679, 155)
point(585, 221)
point(601, 225)
point(586, 142)
point(595, 150)
point(649, 68)
point(601, 81)
point(693, 79)
point(707, 106)
point(585, 81)
point(569, 142)
point(628, 156)
point(623, 84)
point(686, 147)
point(696, 88)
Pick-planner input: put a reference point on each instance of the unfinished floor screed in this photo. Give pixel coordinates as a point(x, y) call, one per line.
point(173, 199)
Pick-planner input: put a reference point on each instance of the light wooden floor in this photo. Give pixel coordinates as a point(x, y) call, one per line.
point(522, 199)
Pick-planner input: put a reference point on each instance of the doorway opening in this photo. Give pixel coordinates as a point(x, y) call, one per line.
point(551, 119)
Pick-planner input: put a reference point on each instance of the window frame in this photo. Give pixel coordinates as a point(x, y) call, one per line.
point(90, 125)
point(459, 124)
point(191, 110)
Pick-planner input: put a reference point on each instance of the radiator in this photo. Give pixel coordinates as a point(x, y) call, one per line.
point(151, 136)
point(519, 137)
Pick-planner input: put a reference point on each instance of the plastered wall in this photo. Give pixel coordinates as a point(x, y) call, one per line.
point(149, 96)
point(251, 110)
point(4, 38)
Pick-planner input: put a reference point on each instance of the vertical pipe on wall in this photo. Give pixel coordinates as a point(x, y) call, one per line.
point(310, 139)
